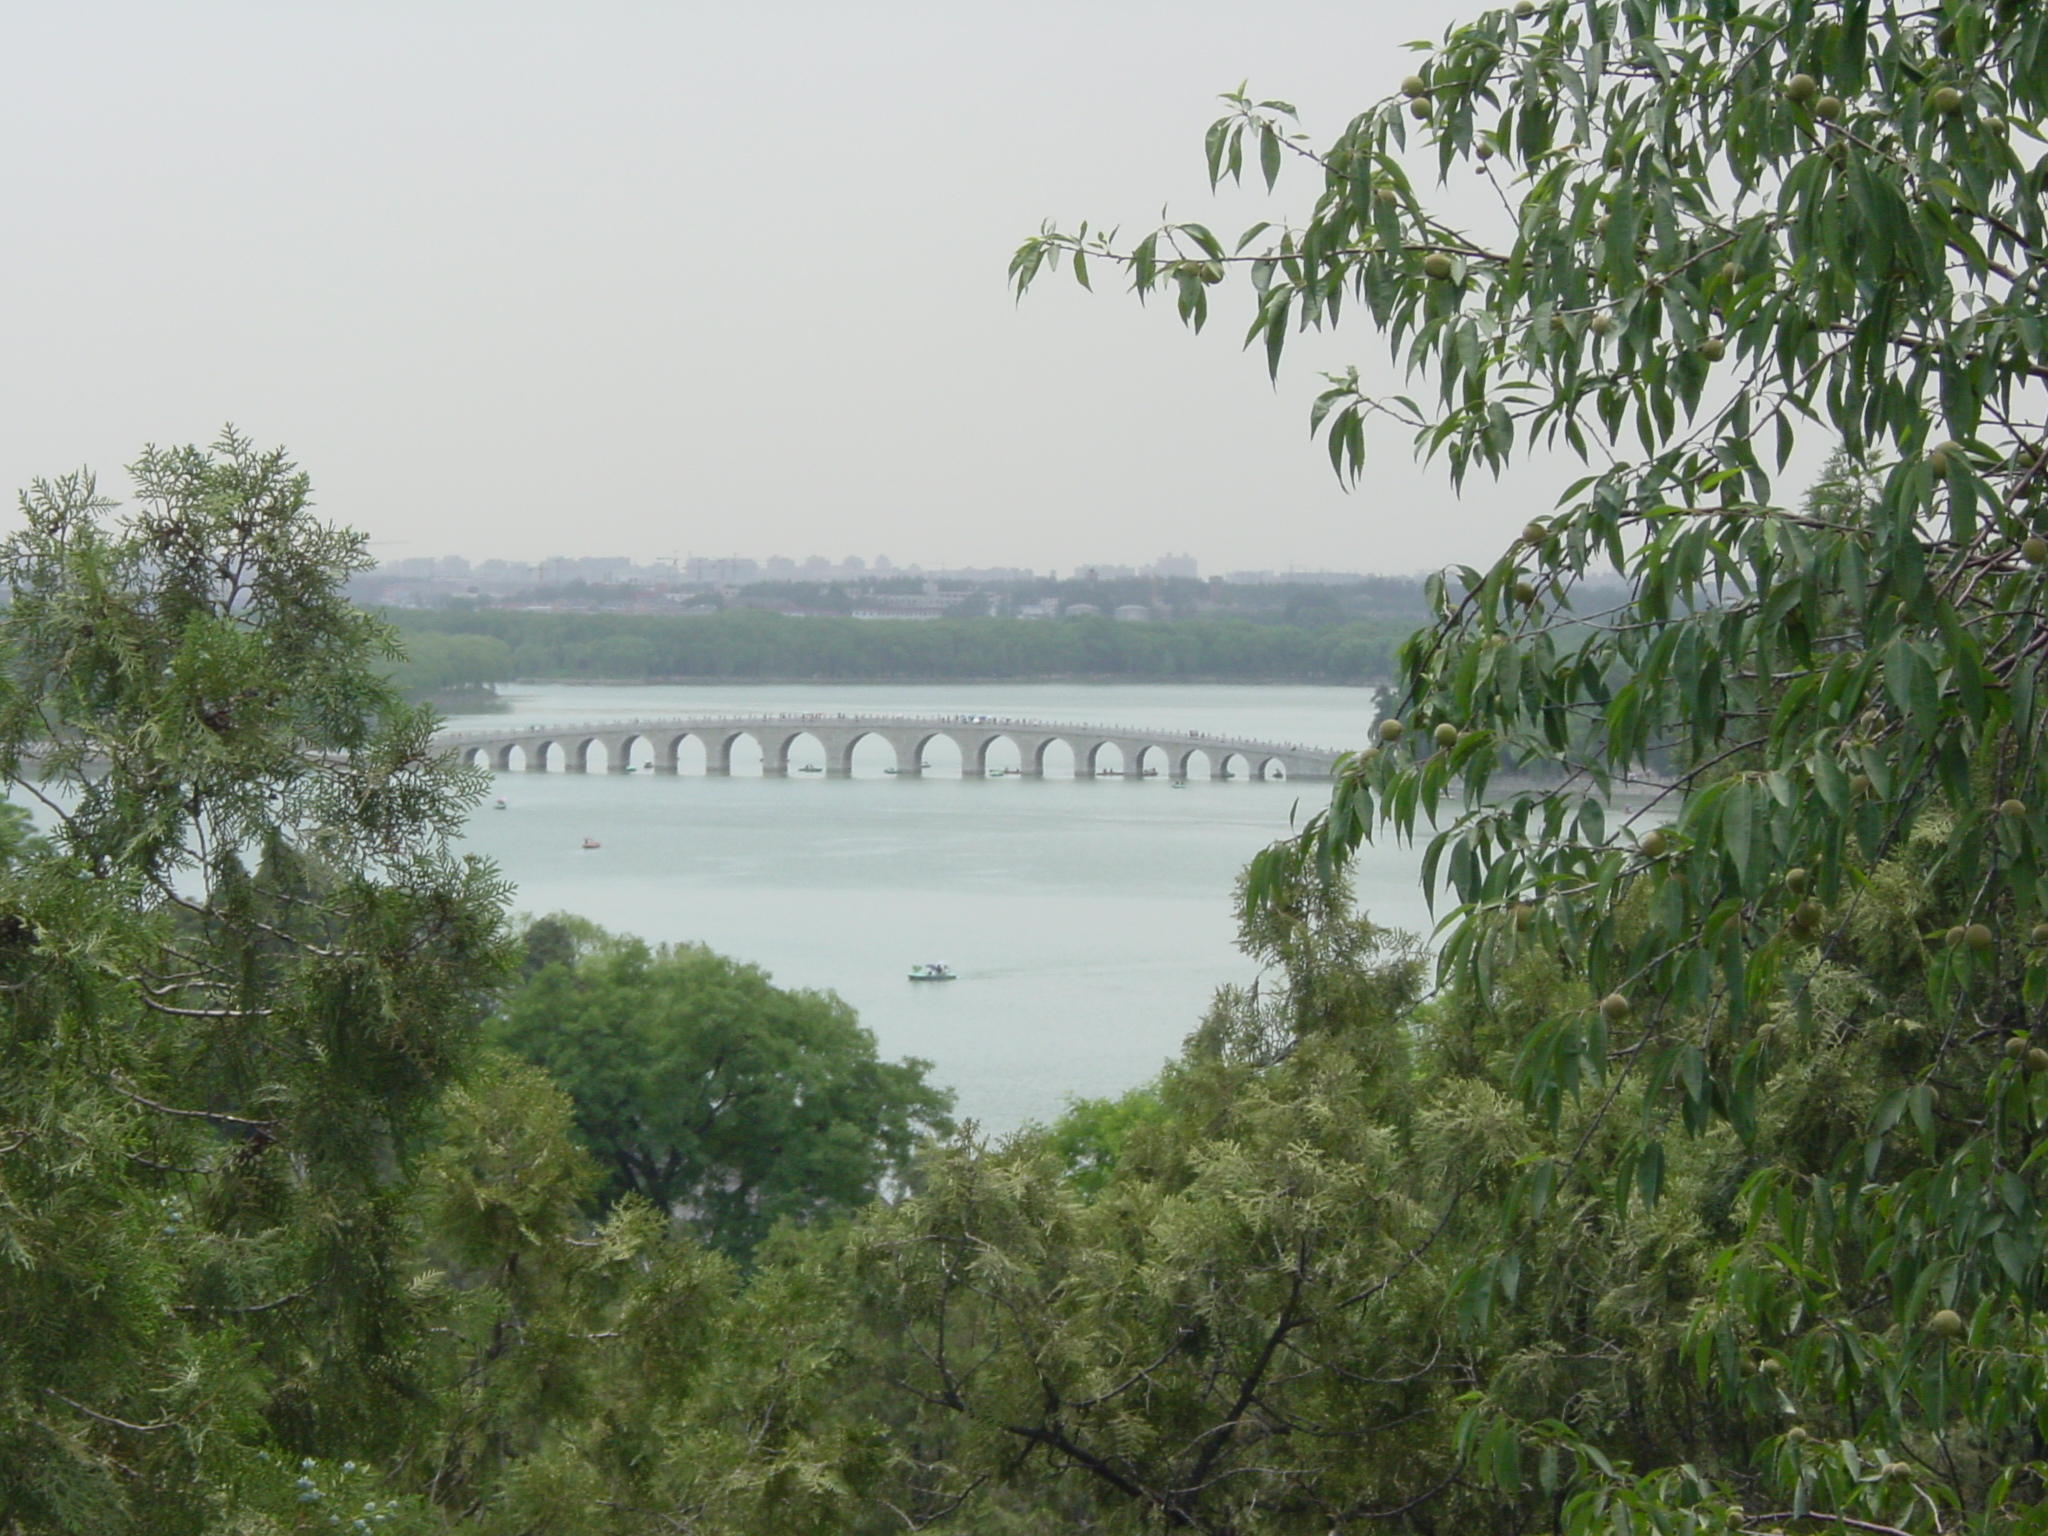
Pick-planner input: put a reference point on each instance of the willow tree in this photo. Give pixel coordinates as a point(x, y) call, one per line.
point(1805, 743)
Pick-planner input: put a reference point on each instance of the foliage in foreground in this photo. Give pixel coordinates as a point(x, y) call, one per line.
point(237, 977)
point(287, 1252)
point(1726, 227)
point(1328, 1271)
point(282, 1248)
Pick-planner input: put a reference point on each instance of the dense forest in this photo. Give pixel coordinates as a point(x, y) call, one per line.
point(1696, 1181)
point(453, 648)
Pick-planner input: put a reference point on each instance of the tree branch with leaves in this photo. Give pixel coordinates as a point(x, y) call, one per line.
point(1724, 231)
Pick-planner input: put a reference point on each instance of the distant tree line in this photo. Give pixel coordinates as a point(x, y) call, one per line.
point(448, 649)
point(452, 664)
point(1308, 602)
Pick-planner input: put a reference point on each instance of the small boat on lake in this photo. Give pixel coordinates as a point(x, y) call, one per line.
point(591, 842)
point(931, 971)
point(497, 805)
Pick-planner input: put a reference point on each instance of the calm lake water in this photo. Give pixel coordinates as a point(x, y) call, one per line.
point(1088, 923)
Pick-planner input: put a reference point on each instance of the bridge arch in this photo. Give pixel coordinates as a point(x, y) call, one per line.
point(1054, 756)
point(1093, 759)
point(719, 752)
point(1184, 763)
point(977, 748)
point(862, 751)
point(622, 749)
point(1151, 761)
point(786, 752)
point(683, 752)
point(950, 752)
point(994, 752)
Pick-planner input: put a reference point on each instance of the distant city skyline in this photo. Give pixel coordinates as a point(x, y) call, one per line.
point(745, 570)
point(769, 567)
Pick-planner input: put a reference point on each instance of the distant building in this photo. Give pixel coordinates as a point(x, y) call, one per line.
point(1131, 613)
point(1173, 565)
point(730, 571)
point(1081, 611)
point(598, 570)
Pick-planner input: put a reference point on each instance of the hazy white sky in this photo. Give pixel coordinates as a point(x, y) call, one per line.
point(624, 277)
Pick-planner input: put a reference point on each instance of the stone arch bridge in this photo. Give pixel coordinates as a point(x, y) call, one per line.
point(1142, 753)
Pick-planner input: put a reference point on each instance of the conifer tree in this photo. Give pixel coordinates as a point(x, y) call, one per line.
point(235, 975)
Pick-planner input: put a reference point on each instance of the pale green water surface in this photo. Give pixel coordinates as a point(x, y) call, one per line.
point(1088, 922)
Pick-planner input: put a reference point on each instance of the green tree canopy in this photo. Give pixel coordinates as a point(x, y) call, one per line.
point(708, 1091)
point(1801, 770)
point(1217, 1304)
point(235, 978)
